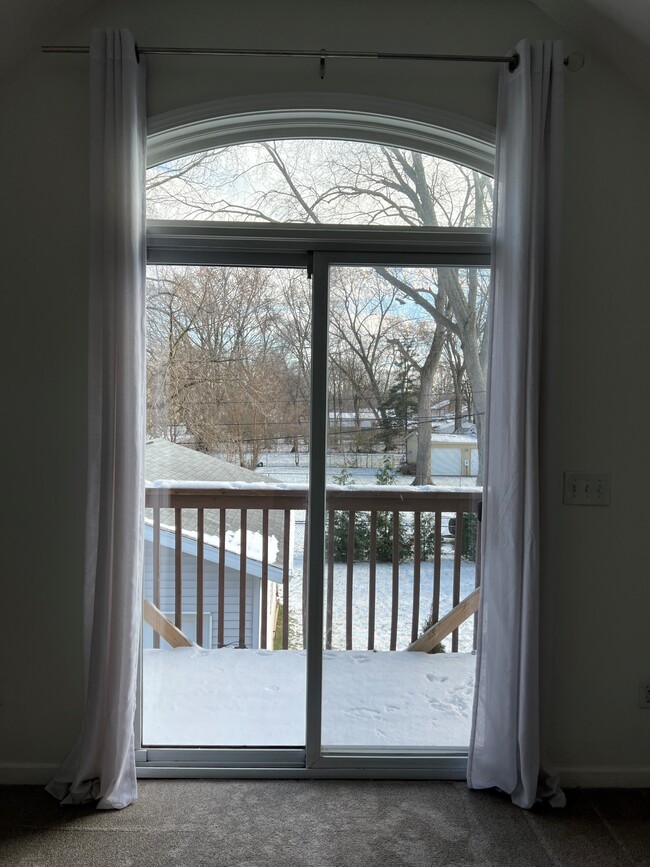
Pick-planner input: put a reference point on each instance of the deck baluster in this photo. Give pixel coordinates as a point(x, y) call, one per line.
point(199, 575)
point(415, 622)
point(349, 581)
point(305, 581)
point(395, 592)
point(265, 580)
point(243, 545)
point(222, 579)
point(437, 564)
point(372, 581)
point(477, 579)
point(285, 580)
point(178, 568)
point(330, 580)
point(156, 567)
point(458, 552)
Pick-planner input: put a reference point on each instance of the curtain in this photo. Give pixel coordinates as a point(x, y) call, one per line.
point(505, 742)
point(101, 766)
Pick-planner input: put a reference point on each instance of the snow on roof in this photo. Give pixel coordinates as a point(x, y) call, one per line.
point(454, 439)
point(449, 439)
point(166, 461)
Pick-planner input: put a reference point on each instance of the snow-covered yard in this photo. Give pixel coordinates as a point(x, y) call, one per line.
point(229, 697)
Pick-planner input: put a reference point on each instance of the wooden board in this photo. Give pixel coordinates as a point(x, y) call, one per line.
point(446, 625)
point(164, 627)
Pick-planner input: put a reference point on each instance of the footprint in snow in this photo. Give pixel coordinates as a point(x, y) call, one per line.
point(362, 713)
point(437, 678)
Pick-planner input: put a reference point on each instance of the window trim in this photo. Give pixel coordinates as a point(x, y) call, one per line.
point(330, 116)
point(195, 242)
point(313, 246)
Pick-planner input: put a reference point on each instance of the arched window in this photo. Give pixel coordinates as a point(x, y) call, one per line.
point(323, 181)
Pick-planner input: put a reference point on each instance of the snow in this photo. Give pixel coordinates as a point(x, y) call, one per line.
point(300, 487)
point(198, 485)
point(230, 697)
point(453, 439)
point(254, 541)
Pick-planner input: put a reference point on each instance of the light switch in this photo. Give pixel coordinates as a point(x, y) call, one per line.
point(586, 489)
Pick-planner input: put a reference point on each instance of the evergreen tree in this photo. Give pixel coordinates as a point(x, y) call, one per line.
point(400, 404)
point(386, 476)
point(342, 528)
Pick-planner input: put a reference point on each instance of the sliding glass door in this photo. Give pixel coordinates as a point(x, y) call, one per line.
point(313, 482)
point(228, 389)
point(393, 528)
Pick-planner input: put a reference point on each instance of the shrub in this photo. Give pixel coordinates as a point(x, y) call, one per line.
point(342, 528)
point(386, 476)
point(428, 623)
point(470, 530)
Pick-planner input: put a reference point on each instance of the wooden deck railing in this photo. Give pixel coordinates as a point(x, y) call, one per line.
point(403, 504)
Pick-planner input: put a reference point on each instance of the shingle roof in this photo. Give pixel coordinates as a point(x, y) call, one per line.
point(167, 461)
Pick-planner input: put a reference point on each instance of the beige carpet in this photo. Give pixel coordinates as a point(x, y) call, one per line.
point(364, 823)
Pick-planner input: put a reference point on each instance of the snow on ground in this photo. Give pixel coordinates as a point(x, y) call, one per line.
point(229, 697)
point(362, 468)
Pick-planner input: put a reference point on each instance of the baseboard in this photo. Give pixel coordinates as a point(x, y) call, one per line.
point(589, 777)
point(605, 777)
point(28, 774)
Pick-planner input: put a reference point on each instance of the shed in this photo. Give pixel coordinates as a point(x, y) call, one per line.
point(166, 462)
point(451, 454)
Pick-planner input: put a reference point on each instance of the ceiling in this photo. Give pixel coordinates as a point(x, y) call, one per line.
point(619, 30)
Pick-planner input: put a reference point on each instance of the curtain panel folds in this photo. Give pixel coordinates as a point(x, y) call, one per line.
point(505, 742)
point(101, 766)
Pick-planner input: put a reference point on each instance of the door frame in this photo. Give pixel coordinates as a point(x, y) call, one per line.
point(314, 248)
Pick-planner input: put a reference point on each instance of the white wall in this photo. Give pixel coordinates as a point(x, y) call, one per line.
point(595, 636)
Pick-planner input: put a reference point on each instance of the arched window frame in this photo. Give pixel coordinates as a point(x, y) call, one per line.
point(315, 247)
point(390, 122)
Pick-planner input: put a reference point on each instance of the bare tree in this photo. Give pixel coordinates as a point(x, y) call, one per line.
point(355, 182)
point(218, 370)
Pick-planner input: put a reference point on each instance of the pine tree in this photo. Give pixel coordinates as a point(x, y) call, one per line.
point(399, 405)
point(386, 476)
point(342, 528)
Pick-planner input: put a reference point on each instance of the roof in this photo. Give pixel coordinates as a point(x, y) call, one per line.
point(166, 461)
point(449, 439)
point(453, 440)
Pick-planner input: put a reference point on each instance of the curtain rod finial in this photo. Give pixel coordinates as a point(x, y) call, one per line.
point(574, 61)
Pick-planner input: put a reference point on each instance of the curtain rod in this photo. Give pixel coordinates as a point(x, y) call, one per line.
point(573, 61)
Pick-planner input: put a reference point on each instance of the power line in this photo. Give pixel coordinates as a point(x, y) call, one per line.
point(330, 433)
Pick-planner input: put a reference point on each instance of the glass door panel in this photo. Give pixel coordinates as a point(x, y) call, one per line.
point(228, 400)
point(406, 397)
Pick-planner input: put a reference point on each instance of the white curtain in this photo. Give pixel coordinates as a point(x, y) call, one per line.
point(505, 743)
point(101, 766)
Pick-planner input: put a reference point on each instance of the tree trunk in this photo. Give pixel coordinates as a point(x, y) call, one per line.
point(425, 426)
point(477, 381)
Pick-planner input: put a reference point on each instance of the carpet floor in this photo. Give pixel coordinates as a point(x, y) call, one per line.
point(234, 823)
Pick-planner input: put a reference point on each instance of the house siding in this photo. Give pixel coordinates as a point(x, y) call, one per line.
point(210, 596)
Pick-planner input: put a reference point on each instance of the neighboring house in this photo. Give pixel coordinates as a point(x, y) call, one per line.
point(166, 461)
point(451, 454)
point(443, 409)
point(364, 420)
point(467, 428)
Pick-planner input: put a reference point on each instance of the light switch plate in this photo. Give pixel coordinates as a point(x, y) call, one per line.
point(586, 489)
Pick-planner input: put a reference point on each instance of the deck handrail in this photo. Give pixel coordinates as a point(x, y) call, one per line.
point(283, 499)
point(339, 497)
